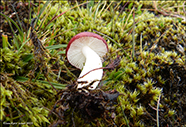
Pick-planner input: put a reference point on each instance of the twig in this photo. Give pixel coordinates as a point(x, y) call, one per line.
point(74, 125)
point(112, 65)
point(167, 14)
point(102, 9)
point(153, 107)
point(79, 9)
point(150, 116)
point(107, 8)
point(141, 47)
point(133, 38)
point(122, 10)
point(157, 111)
point(123, 114)
point(183, 7)
point(68, 71)
point(127, 19)
point(156, 41)
point(50, 83)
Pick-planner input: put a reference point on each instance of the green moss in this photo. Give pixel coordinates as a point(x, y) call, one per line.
point(19, 105)
point(158, 67)
point(141, 81)
point(15, 63)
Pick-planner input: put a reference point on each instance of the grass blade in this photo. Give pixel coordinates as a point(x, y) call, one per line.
point(56, 46)
point(40, 12)
point(133, 38)
point(96, 11)
point(28, 57)
point(9, 19)
point(23, 45)
point(56, 85)
point(55, 17)
point(18, 20)
point(123, 114)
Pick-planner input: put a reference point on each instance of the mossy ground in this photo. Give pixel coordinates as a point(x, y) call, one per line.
point(151, 76)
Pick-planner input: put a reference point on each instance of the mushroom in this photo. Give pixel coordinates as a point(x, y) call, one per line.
point(84, 51)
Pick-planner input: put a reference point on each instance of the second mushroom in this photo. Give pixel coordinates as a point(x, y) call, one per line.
point(85, 51)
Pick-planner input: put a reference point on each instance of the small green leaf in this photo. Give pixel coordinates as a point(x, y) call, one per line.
point(37, 109)
point(44, 119)
point(21, 78)
point(23, 45)
point(28, 57)
point(34, 120)
point(130, 5)
point(49, 26)
point(120, 73)
point(111, 76)
point(2, 114)
point(139, 9)
point(2, 101)
point(61, 52)
point(8, 93)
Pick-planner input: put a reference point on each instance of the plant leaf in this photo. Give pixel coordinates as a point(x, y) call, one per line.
point(20, 32)
point(56, 85)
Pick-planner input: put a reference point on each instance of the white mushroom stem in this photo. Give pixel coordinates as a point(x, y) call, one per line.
point(93, 61)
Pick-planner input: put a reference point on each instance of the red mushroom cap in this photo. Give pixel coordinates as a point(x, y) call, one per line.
point(74, 48)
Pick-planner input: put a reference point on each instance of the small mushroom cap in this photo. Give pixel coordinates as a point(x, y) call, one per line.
point(74, 48)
